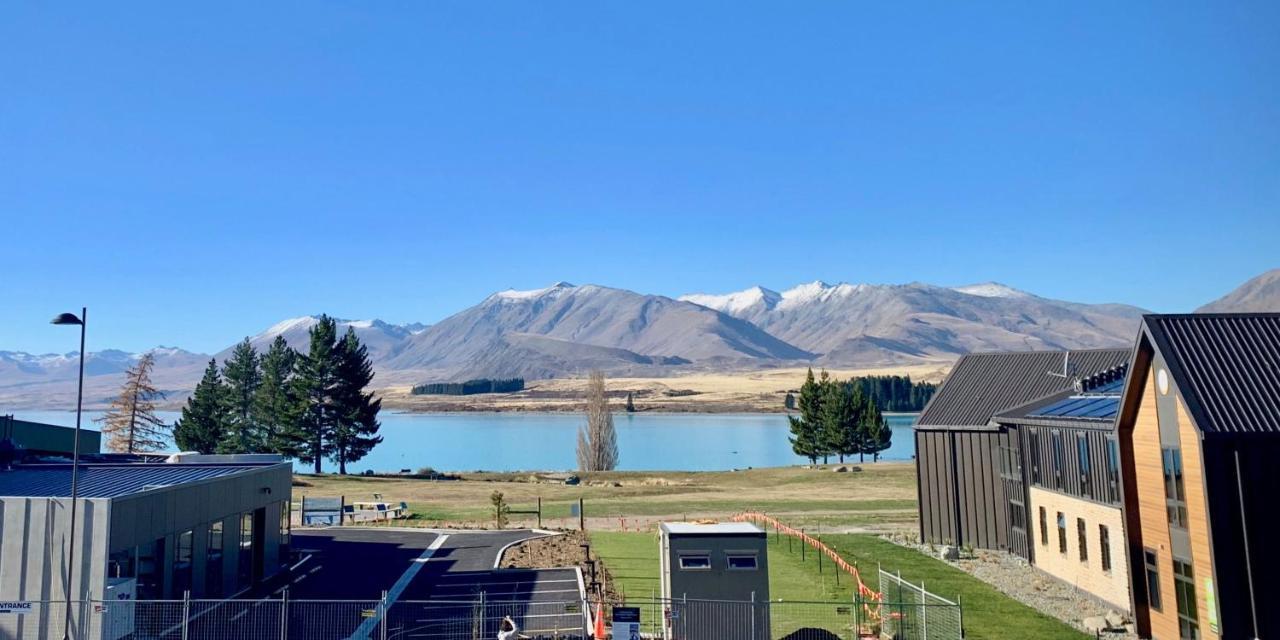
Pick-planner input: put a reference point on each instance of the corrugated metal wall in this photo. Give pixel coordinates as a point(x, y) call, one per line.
point(961, 495)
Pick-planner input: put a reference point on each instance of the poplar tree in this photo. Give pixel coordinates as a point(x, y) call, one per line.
point(309, 437)
point(355, 411)
point(274, 407)
point(242, 377)
point(597, 440)
point(204, 419)
point(806, 428)
point(131, 425)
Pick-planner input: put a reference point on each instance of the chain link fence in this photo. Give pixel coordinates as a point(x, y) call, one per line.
point(910, 612)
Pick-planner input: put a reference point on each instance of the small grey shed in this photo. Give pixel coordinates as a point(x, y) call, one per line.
point(715, 578)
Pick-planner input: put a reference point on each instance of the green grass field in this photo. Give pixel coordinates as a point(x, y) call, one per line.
point(632, 560)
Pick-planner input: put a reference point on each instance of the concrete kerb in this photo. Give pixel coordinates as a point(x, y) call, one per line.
point(542, 533)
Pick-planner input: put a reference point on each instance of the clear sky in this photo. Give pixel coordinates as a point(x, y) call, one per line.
point(194, 176)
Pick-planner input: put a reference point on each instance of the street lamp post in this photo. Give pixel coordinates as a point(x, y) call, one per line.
point(72, 319)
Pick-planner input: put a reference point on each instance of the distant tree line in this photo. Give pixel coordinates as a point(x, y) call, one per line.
point(470, 387)
point(310, 406)
point(895, 393)
point(837, 419)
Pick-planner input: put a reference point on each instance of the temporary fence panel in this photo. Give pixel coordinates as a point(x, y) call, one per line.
point(911, 612)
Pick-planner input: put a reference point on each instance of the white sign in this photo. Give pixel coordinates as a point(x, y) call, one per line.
point(19, 608)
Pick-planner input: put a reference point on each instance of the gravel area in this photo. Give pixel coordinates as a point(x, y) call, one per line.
point(1017, 579)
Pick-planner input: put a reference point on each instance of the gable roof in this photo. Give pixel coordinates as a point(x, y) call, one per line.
point(981, 385)
point(1227, 366)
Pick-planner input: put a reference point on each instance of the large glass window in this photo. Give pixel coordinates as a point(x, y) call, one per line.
point(182, 561)
point(1104, 546)
point(1174, 492)
point(286, 526)
point(1082, 539)
point(1184, 588)
point(213, 561)
point(244, 565)
point(121, 564)
point(1056, 440)
point(1082, 457)
point(1033, 451)
point(150, 570)
point(1113, 471)
point(1153, 578)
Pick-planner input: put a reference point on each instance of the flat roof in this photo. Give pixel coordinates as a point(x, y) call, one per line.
point(110, 480)
point(718, 529)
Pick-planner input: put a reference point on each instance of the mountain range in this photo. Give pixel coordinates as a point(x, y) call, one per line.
point(566, 329)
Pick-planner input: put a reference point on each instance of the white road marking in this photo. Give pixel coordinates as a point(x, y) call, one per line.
point(369, 624)
point(300, 562)
point(452, 585)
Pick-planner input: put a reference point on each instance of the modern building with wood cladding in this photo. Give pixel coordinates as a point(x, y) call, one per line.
point(972, 489)
point(1199, 434)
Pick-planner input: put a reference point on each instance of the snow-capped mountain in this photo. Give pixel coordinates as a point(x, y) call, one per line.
point(381, 338)
point(879, 324)
point(515, 331)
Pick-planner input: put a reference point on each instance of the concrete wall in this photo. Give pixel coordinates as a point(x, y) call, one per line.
point(1111, 586)
point(33, 559)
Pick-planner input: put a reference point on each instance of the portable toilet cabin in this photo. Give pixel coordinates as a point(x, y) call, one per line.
point(715, 580)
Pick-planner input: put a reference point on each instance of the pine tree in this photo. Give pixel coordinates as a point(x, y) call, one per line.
point(274, 407)
point(631, 405)
point(877, 436)
point(309, 437)
point(806, 429)
point(836, 413)
point(131, 425)
point(204, 419)
point(355, 411)
point(843, 414)
point(242, 378)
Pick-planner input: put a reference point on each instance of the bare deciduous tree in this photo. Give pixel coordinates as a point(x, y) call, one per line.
point(597, 439)
point(131, 425)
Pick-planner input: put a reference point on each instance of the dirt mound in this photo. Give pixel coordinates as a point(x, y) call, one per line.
point(559, 551)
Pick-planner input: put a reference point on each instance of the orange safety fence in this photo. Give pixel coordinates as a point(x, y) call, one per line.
point(863, 590)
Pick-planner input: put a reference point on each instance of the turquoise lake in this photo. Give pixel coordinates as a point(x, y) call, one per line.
point(545, 441)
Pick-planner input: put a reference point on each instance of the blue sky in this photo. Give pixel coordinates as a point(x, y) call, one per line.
point(197, 175)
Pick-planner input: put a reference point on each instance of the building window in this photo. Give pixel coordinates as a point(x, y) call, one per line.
point(1153, 578)
point(1062, 533)
point(150, 570)
point(121, 564)
point(286, 526)
point(213, 561)
point(1104, 546)
point(1174, 492)
point(742, 561)
point(244, 565)
point(182, 562)
point(695, 562)
point(1082, 457)
point(1044, 528)
point(1113, 471)
point(1082, 539)
point(1056, 440)
point(1184, 592)
point(1033, 449)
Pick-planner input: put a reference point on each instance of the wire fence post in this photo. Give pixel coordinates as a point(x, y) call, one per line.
point(924, 613)
point(186, 614)
point(753, 615)
point(284, 614)
point(382, 604)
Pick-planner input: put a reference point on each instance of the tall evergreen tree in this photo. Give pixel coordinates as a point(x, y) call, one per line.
point(355, 411)
point(877, 436)
point(204, 418)
point(242, 377)
point(309, 437)
point(806, 429)
point(274, 407)
point(131, 425)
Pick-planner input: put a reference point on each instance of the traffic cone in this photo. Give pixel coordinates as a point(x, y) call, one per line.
point(599, 633)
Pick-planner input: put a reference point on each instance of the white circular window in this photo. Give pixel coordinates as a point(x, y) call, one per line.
point(1162, 381)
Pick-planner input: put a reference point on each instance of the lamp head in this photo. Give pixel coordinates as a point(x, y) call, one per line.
point(66, 318)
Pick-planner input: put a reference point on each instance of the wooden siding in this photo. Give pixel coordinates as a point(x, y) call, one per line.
point(961, 497)
point(1150, 499)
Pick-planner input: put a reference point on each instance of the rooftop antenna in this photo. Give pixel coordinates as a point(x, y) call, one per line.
point(1068, 373)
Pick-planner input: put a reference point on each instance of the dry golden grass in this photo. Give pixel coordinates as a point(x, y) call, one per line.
point(750, 391)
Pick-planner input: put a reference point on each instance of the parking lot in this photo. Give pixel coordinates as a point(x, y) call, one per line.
point(437, 584)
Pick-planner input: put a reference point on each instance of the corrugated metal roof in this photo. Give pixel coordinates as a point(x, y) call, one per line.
point(1226, 365)
point(1096, 405)
point(107, 480)
point(984, 384)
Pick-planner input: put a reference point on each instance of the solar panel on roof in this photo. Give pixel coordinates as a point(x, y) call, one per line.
point(1115, 386)
point(1081, 407)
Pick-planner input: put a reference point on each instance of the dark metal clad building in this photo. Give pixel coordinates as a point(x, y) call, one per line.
point(962, 480)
